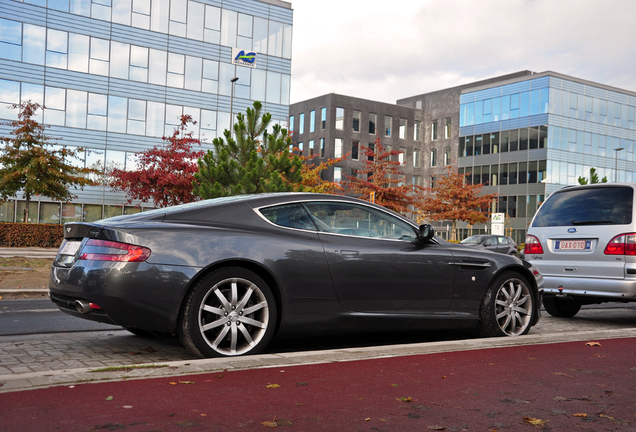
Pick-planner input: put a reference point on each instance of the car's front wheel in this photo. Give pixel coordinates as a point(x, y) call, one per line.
point(507, 308)
point(561, 307)
point(230, 312)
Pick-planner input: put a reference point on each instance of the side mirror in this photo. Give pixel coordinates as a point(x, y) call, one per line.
point(427, 232)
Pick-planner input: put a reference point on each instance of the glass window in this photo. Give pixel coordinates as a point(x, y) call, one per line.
point(258, 84)
point(417, 130)
point(291, 123)
point(92, 212)
point(10, 39)
point(312, 121)
point(244, 31)
point(402, 156)
point(311, 147)
point(178, 11)
point(56, 48)
point(433, 157)
point(337, 174)
point(275, 40)
point(338, 148)
point(355, 145)
point(33, 44)
point(273, 87)
point(372, 122)
point(290, 216)
point(323, 118)
point(416, 158)
point(229, 23)
point(301, 123)
point(137, 117)
point(155, 119)
point(356, 121)
point(97, 110)
point(117, 110)
point(447, 156)
point(71, 212)
point(212, 25)
point(447, 128)
point(322, 147)
point(402, 131)
point(339, 118)
point(157, 70)
point(33, 211)
point(140, 14)
point(388, 124)
point(260, 35)
point(210, 76)
point(55, 102)
point(176, 70)
point(119, 58)
point(434, 130)
point(76, 108)
point(99, 56)
point(193, 74)
point(195, 22)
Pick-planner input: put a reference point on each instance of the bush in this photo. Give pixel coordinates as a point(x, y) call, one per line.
point(31, 235)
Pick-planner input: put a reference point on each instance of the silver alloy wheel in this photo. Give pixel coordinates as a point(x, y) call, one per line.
point(233, 316)
point(513, 307)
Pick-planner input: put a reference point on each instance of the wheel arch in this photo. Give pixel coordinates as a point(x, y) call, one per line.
point(255, 267)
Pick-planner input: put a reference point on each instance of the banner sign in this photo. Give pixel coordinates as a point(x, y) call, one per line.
point(241, 57)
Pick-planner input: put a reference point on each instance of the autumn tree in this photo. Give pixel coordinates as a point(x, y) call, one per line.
point(250, 160)
point(593, 178)
point(382, 176)
point(164, 173)
point(30, 163)
point(455, 200)
point(311, 176)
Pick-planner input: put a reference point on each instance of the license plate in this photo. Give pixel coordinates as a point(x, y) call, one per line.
point(70, 248)
point(573, 245)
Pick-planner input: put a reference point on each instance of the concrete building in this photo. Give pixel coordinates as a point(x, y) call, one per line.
point(115, 76)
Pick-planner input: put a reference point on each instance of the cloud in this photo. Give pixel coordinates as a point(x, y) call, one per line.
point(387, 50)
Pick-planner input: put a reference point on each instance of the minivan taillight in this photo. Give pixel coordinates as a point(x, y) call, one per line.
point(105, 250)
point(622, 244)
point(533, 246)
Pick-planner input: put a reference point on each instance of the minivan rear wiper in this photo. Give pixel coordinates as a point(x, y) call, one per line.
point(592, 222)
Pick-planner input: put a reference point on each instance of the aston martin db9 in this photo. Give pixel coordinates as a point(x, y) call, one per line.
point(228, 274)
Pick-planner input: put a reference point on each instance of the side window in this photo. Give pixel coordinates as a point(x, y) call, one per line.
point(491, 242)
point(290, 216)
point(502, 240)
point(358, 220)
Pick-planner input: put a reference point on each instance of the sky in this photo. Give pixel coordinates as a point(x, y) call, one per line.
point(391, 49)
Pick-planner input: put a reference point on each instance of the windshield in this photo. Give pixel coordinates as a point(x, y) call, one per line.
point(588, 206)
point(473, 240)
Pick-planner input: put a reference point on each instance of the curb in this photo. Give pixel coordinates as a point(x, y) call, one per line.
point(35, 380)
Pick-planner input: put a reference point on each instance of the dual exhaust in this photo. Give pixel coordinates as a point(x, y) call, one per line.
point(83, 306)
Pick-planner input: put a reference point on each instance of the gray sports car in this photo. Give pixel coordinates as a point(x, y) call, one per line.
point(228, 274)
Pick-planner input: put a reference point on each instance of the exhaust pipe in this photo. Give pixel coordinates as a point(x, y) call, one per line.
point(82, 306)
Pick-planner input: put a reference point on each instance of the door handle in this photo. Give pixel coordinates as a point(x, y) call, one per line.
point(349, 253)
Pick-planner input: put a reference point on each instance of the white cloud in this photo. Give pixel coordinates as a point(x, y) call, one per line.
point(391, 49)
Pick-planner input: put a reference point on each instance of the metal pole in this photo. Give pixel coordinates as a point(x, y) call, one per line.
point(233, 80)
point(616, 163)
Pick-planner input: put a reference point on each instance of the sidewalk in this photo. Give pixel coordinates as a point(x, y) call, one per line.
point(557, 386)
point(28, 252)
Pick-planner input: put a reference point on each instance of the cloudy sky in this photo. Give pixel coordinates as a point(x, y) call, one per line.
point(385, 50)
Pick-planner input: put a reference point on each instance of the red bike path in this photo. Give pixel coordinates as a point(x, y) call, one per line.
point(561, 387)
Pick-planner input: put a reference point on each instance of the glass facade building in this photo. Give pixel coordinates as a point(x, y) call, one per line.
point(116, 75)
point(527, 137)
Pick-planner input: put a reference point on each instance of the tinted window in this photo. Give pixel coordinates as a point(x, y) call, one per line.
point(593, 206)
point(290, 216)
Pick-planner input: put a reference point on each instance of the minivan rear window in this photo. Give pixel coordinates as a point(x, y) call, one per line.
point(591, 206)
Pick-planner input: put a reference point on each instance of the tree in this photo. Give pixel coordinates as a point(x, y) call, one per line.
point(31, 163)
point(165, 174)
point(455, 200)
point(383, 178)
point(254, 162)
point(313, 182)
point(593, 178)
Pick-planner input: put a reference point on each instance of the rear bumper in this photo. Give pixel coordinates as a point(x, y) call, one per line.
point(611, 289)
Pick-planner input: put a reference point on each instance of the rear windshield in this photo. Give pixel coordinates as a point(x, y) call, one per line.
point(593, 206)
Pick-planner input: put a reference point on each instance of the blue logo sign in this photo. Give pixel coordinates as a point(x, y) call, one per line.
point(572, 230)
point(249, 57)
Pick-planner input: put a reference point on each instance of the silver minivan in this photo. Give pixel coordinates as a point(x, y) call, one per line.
point(583, 240)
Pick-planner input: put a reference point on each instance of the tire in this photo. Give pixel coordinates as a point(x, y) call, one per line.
point(230, 312)
point(507, 308)
point(561, 308)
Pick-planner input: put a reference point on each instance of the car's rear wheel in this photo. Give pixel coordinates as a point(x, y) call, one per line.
point(561, 307)
point(507, 308)
point(228, 313)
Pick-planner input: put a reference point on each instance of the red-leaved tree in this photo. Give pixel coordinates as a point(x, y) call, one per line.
point(164, 174)
point(384, 178)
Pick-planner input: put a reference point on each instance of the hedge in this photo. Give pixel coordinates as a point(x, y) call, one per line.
point(31, 235)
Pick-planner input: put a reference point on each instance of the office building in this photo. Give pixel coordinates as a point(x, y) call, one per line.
point(116, 75)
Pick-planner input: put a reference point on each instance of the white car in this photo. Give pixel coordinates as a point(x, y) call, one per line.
point(583, 240)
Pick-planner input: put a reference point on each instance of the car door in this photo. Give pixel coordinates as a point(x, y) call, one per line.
point(377, 264)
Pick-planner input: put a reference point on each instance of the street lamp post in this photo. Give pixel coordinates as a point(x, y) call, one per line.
point(233, 81)
point(616, 163)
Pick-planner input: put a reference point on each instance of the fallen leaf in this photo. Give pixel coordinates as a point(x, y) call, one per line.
point(583, 415)
point(562, 374)
point(395, 385)
point(593, 344)
point(562, 399)
point(405, 399)
point(599, 355)
point(109, 398)
point(531, 358)
point(127, 406)
point(367, 419)
point(301, 384)
point(436, 427)
point(173, 383)
point(273, 386)
point(535, 421)
point(444, 377)
point(186, 382)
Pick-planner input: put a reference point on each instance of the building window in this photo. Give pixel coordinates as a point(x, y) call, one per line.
point(323, 118)
point(301, 147)
point(433, 182)
point(322, 147)
point(402, 131)
point(337, 174)
point(447, 158)
point(433, 157)
point(340, 118)
point(416, 181)
point(417, 130)
point(311, 147)
point(434, 130)
point(356, 121)
point(373, 118)
point(355, 146)
point(388, 123)
point(338, 148)
point(291, 123)
point(416, 158)
point(371, 152)
point(402, 156)
point(301, 124)
point(447, 128)
point(312, 121)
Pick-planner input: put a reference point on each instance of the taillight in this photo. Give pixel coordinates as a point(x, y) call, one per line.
point(105, 250)
point(623, 244)
point(533, 246)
